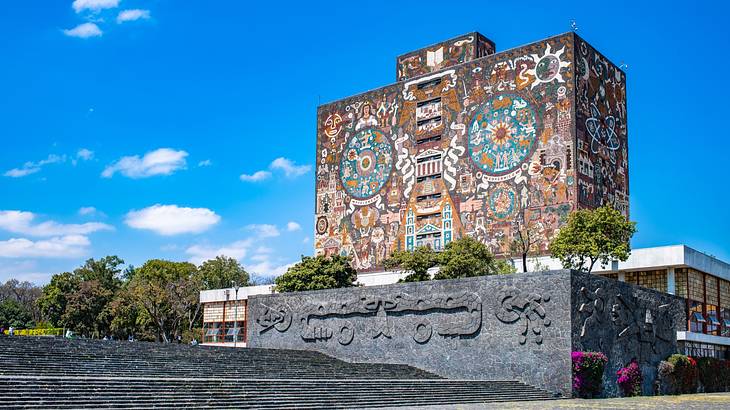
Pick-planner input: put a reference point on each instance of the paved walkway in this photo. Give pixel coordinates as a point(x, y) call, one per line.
point(686, 401)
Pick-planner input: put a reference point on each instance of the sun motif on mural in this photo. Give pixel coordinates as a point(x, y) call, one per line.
point(502, 134)
point(367, 163)
point(502, 201)
point(547, 67)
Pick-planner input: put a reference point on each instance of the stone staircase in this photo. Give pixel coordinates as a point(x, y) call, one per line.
point(37, 372)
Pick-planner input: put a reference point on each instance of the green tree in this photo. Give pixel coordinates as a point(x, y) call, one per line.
point(86, 307)
point(26, 294)
point(319, 272)
point(55, 296)
point(417, 262)
point(464, 258)
point(221, 272)
point(164, 290)
point(590, 236)
point(13, 313)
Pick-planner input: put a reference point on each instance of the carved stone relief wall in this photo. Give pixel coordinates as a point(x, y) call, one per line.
point(482, 328)
point(625, 322)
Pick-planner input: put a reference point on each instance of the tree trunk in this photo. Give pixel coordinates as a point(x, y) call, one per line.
point(524, 262)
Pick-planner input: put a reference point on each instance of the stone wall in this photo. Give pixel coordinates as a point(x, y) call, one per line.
point(511, 327)
point(625, 322)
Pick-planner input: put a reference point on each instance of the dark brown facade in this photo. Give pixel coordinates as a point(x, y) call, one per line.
point(471, 142)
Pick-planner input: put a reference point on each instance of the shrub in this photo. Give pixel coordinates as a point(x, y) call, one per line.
point(685, 373)
point(588, 373)
point(629, 379)
point(665, 379)
point(713, 374)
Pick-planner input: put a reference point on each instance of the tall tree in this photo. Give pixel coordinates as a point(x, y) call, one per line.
point(525, 241)
point(55, 296)
point(158, 287)
point(417, 262)
point(86, 307)
point(25, 293)
point(466, 257)
point(221, 272)
point(319, 272)
point(12, 313)
point(602, 234)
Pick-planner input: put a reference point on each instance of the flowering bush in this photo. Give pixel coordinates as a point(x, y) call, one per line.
point(629, 379)
point(666, 383)
point(685, 373)
point(588, 373)
point(714, 374)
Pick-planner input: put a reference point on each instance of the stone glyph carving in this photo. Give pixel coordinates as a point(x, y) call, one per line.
point(514, 305)
point(337, 319)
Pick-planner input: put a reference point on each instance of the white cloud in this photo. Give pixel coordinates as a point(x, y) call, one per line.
point(31, 167)
point(88, 210)
point(94, 5)
point(293, 226)
point(267, 269)
point(305, 240)
point(201, 253)
point(22, 222)
point(256, 176)
point(289, 167)
point(132, 15)
point(285, 165)
point(69, 246)
point(84, 30)
point(172, 219)
point(264, 230)
point(163, 161)
point(205, 163)
point(85, 154)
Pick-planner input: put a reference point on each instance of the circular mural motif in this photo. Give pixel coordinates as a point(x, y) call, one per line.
point(502, 134)
point(321, 225)
point(366, 163)
point(547, 68)
point(502, 201)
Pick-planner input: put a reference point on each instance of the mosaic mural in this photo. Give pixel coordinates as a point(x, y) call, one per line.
point(479, 147)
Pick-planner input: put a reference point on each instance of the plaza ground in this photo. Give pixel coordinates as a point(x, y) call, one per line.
point(685, 402)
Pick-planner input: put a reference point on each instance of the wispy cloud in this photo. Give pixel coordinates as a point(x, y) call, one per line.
point(293, 226)
point(94, 5)
point(89, 211)
point(85, 154)
point(22, 222)
point(132, 15)
point(264, 230)
point(285, 165)
point(84, 30)
point(172, 219)
point(289, 167)
point(31, 167)
point(163, 161)
point(256, 176)
point(69, 246)
point(205, 163)
point(201, 253)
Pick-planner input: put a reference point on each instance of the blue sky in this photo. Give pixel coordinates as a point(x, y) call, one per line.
point(178, 130)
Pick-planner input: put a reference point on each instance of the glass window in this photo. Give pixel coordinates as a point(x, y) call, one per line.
point(680, 282)
point(711, 290)
point(695, 285)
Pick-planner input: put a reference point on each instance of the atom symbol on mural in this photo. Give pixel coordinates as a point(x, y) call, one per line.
point(602, 131)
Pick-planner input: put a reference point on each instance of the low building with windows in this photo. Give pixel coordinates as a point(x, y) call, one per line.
point(702, 279)
point(224, 314)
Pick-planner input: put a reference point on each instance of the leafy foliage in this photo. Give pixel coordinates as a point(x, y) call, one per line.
point(629, 379)
point(417, 263)
point(685, 373)
point(589, 236)
point(462, 258)
point(221, 272)
point(714, 374)
point(588, 370)
point(12, 313)
point(319, 272)
point(524, 242)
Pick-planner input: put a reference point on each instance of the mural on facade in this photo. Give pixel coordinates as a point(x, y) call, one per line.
point(480, 148)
